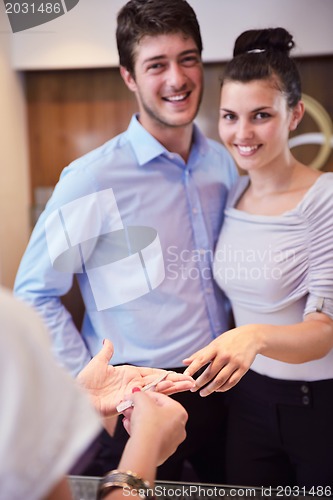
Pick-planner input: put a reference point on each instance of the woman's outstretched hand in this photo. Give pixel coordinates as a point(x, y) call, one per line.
point(228, 357)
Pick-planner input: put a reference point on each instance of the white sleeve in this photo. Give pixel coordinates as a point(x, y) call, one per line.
point(46, 421)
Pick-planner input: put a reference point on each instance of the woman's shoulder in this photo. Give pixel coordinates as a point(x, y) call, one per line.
point(237, 190)
point(319, 197)
point(316, 212)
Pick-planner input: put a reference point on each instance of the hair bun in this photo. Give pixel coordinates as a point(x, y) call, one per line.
point(269, 39)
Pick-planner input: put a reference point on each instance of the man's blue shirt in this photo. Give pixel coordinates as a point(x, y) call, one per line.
point(138, 226)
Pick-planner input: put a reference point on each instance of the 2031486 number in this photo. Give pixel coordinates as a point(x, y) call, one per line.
point(32, 8)
point(295, 491)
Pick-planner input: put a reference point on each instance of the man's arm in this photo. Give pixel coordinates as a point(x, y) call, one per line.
point(46, 271)
point(41, 286)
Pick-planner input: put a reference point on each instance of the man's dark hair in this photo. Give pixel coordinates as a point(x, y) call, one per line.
point(139, 18)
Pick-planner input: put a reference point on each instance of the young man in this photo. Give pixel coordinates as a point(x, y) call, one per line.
point(137, 220)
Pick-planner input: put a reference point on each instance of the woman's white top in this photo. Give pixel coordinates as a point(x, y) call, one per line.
point(46, 421)
point(277, 269)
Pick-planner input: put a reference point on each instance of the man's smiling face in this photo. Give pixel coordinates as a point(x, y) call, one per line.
point(167, 81)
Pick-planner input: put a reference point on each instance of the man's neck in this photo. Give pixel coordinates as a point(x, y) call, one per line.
point(178, 140)
point(174, 139)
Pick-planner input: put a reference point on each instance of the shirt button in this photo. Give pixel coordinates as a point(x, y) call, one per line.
point(304, 389)
point(305, 400)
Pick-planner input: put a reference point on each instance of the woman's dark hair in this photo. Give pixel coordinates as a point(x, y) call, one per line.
point(264, 54)
point(139, 18)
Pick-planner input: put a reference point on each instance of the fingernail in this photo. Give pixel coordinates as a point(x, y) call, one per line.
point(136, 389)
point(104, 341)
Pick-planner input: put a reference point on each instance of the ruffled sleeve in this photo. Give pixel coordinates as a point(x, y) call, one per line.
point(317, 208)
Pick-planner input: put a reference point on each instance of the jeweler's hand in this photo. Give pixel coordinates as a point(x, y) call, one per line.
point(158, 420)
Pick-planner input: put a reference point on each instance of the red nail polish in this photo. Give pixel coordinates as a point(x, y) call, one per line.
point(136, 389)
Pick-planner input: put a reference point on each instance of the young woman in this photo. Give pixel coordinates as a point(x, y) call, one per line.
point(274, 260)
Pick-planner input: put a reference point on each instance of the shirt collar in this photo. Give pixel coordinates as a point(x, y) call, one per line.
point(146, 147)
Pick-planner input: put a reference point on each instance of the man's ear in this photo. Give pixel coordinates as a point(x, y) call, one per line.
point(128, 78)
point(297, 115)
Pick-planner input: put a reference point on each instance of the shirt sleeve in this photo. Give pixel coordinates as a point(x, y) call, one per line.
point(318, 211)
point(41, 282)
point(46, 421)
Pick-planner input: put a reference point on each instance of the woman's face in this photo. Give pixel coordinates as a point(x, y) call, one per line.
point(255, 122)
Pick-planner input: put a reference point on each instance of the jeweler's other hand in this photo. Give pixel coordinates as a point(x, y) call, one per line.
point(158, 420)
point(107, 384)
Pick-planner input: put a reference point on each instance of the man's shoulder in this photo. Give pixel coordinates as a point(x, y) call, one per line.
point(219, 156)
point(104, 152)
point(218, 147)
point(91, 172)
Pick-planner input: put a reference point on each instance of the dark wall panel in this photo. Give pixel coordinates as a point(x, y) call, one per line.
point(71, 112)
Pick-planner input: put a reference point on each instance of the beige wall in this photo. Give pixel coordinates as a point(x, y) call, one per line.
point(14, 181)
point(85, 36)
